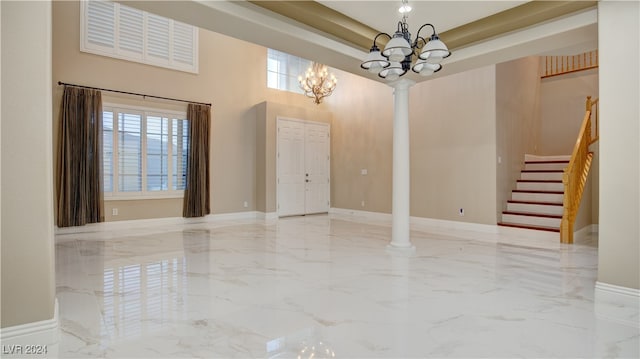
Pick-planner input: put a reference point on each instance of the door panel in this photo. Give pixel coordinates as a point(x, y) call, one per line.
point(291, 185)
point(317, 168)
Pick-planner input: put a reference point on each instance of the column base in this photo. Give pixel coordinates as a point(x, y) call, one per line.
point(406, 250)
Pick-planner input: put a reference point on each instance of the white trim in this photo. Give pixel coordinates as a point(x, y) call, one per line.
point(417, 223)
point(44, 332)
point(149, 195)
point(447, 225)
point(474, 231)
point(585, 231)
point(610, 288)
point(267, 216)
point(153, 222)
point(385, 218)
point(617, 304)
point(232, 216)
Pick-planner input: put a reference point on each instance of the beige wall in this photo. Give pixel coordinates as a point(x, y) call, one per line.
point(234, 84)
point(28, 282)
point(517, 122)
point(619, 88)
point(361, 138)
point(453, 147)
point(562, 107)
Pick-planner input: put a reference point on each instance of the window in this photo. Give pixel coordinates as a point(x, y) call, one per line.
point(144, 152)
point(115, 30)
point(283, 70)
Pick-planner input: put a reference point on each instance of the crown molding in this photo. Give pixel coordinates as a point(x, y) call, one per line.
point(355, 33)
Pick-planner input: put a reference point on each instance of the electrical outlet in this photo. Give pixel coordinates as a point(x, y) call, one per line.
point(461, 212)
point(364, 172)
point(362, 203)
point(246, 204)
point(114, 211)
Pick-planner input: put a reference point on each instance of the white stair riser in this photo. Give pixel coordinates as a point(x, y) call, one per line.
point(530, 220)
point(528, 157)
point(555, 176)
point(540, 186)
point(534, 208)
point(537, 197)
point(545, 166)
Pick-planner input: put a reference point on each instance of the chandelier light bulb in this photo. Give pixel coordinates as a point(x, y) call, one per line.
point(405, 7)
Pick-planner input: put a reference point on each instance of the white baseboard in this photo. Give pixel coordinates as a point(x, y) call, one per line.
point(232, 216)
point(446, 225)
point(154, 222)
point(267, 216)
point(585, 231)
point(617, 304)
point(417, 223)
point(364, 215)
point(44, 332)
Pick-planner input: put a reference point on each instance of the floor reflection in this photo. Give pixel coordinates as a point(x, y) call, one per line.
point(138, 299)
point(306, 344)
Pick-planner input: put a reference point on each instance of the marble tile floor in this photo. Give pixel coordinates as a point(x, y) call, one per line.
point(325, 286)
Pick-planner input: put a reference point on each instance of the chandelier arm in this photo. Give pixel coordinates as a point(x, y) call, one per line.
point(421, 27)
point(376, 38)
point(416, 45)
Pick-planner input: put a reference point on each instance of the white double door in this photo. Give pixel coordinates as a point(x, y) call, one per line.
point(302, 167)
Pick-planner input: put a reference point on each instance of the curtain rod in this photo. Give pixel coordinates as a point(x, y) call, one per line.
point(133, 93)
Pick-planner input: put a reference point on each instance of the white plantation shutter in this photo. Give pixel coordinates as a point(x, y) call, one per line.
point(100, 24)
point(116, 30)
point(183, 44)
point(131, 31)
point(158, 38)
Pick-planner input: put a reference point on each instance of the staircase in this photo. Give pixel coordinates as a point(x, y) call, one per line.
point(537, 201)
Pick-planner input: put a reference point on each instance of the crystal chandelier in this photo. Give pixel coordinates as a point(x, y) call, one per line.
point(317, 82)
point(397, 57)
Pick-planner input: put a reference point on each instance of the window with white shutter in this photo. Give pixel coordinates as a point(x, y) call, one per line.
point(144, 152)
point(115, 30)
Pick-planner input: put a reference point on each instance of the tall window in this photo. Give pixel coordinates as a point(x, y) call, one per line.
point(144, 152)
point(116, 30)
point(283, 70)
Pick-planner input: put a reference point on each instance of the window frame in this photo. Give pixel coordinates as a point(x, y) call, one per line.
point(286, 61)
point(144, 193)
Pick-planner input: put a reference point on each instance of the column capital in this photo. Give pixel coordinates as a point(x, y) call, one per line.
point(401, 83)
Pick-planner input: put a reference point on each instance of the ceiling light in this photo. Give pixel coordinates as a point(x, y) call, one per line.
point(405, 7)
point(317, 82)
point(397, 57)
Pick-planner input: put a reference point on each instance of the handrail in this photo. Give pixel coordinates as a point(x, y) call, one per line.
point(560, 65)
point(575, 174)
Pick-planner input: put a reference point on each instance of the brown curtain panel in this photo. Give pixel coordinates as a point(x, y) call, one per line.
point(196, 192)
point(79, 171)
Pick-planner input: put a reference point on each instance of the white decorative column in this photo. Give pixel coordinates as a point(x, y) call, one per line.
point(401, 182)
